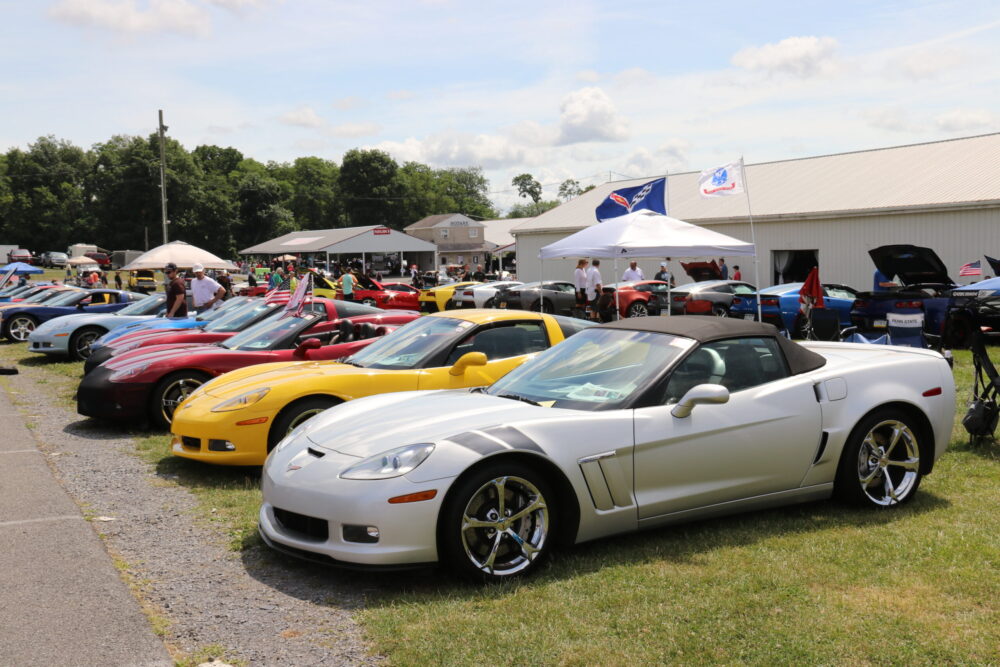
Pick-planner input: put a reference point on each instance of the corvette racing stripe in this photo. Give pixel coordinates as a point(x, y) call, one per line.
point(477, 443)
point(513, 438)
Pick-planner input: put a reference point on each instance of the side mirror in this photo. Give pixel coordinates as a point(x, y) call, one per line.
point(306, 345)
point(466, 360)
point(702, 393)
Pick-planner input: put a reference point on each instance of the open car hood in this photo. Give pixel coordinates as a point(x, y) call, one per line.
point(702, 271)
point(910, 264)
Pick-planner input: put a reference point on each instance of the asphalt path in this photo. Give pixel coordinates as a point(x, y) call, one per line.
point(61, 599)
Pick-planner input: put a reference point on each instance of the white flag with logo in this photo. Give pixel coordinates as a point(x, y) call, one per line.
point(722, 181)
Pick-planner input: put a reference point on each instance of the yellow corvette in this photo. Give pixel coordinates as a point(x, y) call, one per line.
point(436, 299)
point(238, 417)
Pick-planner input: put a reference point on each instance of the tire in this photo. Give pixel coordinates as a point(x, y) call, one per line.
point(542, 306)
point(720, 311)
point(295, 414)
point(800, 327)
point(481, 552)
point(368, 301)
point(637, 309)
point(168, 394)
point(79, 342)
point(490, 303)
point(19, 328)
point(878, 469)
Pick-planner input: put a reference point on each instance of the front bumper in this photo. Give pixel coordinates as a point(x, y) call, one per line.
point(323, 504)
point(48, 343)
point(101, 398)
point(206, 436)
point(97, 357)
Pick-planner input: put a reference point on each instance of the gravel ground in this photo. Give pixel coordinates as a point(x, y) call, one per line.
point(260, 608)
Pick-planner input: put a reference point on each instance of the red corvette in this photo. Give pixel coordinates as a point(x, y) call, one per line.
point(641, 298)
point(242, 318)
point(150, 382)
point(382, 295)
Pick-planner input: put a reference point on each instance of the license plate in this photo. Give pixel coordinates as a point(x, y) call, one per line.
point(879, 324)
point(503, 304)
point(749, 316)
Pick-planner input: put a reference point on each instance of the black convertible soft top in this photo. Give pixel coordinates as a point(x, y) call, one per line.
point(708, 328)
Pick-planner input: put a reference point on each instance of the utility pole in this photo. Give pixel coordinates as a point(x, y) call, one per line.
point(163, 179)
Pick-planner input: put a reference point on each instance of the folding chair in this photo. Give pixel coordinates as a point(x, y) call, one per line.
point(906, 329)
point(823, 324)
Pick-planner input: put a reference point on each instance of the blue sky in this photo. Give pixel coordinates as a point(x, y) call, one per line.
point(557, 89)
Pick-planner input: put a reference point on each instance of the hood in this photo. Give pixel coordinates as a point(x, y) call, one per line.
point(252, 377)
point(702, 271)
point(416, 416)
point(161, 354)
point(910, 264)
point(78, 320)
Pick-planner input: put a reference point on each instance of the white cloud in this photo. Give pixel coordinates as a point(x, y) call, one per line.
point(672, 156)
point(238, 5)
point(588, 76)
point(170, 16)
point(355, 130)
point(892, 118)
point(461, 149)
point(347, 103)
point(798, 56)
point(302, 117)
point(925, 63)
point(966, 120)
point(400, 95)
point(588, 114)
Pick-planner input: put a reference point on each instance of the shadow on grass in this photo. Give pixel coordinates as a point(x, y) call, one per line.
point(681, 543)
point(105, 430)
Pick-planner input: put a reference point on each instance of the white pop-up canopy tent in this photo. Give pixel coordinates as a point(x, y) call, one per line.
point(184, 255)
point(645, 233)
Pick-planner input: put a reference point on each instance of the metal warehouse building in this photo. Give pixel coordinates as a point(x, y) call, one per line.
point(828, 211)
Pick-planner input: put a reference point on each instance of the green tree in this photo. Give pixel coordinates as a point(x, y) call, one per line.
point(527, 210)
point(314, 201)
point(260, 213)
point(569, 189)
point(369, 190)
point(527, 187)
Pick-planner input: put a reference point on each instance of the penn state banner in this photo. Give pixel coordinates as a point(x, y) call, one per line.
point(628, 200)
point(722, 181)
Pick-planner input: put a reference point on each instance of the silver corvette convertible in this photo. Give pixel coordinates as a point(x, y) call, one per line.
point(625, 426)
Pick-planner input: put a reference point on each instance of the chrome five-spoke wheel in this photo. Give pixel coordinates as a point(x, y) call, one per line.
point(888, 463)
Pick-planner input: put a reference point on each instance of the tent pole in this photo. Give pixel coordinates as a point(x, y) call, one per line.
point(615, 278)
point(753, 239)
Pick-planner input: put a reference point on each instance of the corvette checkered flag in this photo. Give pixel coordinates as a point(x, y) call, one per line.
point(628, 200)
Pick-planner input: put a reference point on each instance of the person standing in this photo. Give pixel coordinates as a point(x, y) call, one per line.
point(227, 284)
point(118, 279)
point(737, 275)
point(580, 283)
point(347, 286)
point(632, 273)
point(594, 287)
point(277, 277)
point(664, 274)
point(176, 293)
point(205, 291)
point(478, 275)
point(723, 269)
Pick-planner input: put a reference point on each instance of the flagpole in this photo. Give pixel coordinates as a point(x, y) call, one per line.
point(753, 238)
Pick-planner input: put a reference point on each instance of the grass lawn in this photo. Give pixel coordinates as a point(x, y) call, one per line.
point(816, 583)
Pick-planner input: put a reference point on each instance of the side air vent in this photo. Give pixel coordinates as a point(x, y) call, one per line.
point(822, 447)
point(605, 481)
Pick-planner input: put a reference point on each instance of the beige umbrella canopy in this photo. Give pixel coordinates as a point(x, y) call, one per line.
point(184, 255)
point(286, 258)
point(81, 261)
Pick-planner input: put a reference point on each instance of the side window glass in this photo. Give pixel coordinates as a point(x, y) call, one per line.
point(744, 289)
point(724, 289)
point(703, 366)
point(736, 364)
point(502, 342)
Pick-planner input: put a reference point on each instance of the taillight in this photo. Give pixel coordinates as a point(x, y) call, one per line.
point(737, 300)
point(769, 301)
point(680, 298)
point(910, 304)
point(467, 292)
point(860, 303)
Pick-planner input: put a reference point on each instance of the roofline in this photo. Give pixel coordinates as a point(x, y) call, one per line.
point(814, 215)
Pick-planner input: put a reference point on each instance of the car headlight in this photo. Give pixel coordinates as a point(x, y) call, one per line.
point(393, 463)
point(131, 371)
point(242, 401)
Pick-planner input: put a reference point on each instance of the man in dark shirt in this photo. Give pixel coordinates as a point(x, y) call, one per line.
point(176, 293)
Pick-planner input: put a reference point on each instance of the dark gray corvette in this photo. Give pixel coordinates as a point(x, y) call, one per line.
point(549, 296)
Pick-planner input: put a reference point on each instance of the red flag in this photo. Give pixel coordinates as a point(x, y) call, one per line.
point(811, 294)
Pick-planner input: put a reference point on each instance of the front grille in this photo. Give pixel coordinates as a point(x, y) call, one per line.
point(190, 443)
point(307, 526)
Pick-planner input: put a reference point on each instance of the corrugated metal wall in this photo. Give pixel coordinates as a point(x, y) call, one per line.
point(843, 243)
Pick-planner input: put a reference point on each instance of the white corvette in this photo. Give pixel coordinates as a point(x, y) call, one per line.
point(629, 425)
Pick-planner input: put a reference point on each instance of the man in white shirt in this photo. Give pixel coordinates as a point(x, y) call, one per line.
point(580, 283)
point(632, 273)
point(205, 292)
point(594, 286)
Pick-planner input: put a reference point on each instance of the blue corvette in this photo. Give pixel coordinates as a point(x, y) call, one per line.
point(71, 335)
point(167, 323)
point(18, 321)
point(779, 305)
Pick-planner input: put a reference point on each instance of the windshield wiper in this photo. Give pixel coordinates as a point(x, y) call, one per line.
point(351, 363)
point(519, 398)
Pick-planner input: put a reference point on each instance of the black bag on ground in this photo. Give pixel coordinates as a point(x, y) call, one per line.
point(981, 419)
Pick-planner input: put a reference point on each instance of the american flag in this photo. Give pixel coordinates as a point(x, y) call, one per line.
point(282, 292)
point(298, 301)
point(971, 269)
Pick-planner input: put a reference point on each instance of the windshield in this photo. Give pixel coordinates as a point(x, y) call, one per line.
point(267, 335)
point(243, 316)
point(597, 369)
point(65, 298)
point(15, 290)
point(410, 345)
point(223, 310)
point(147, 306)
